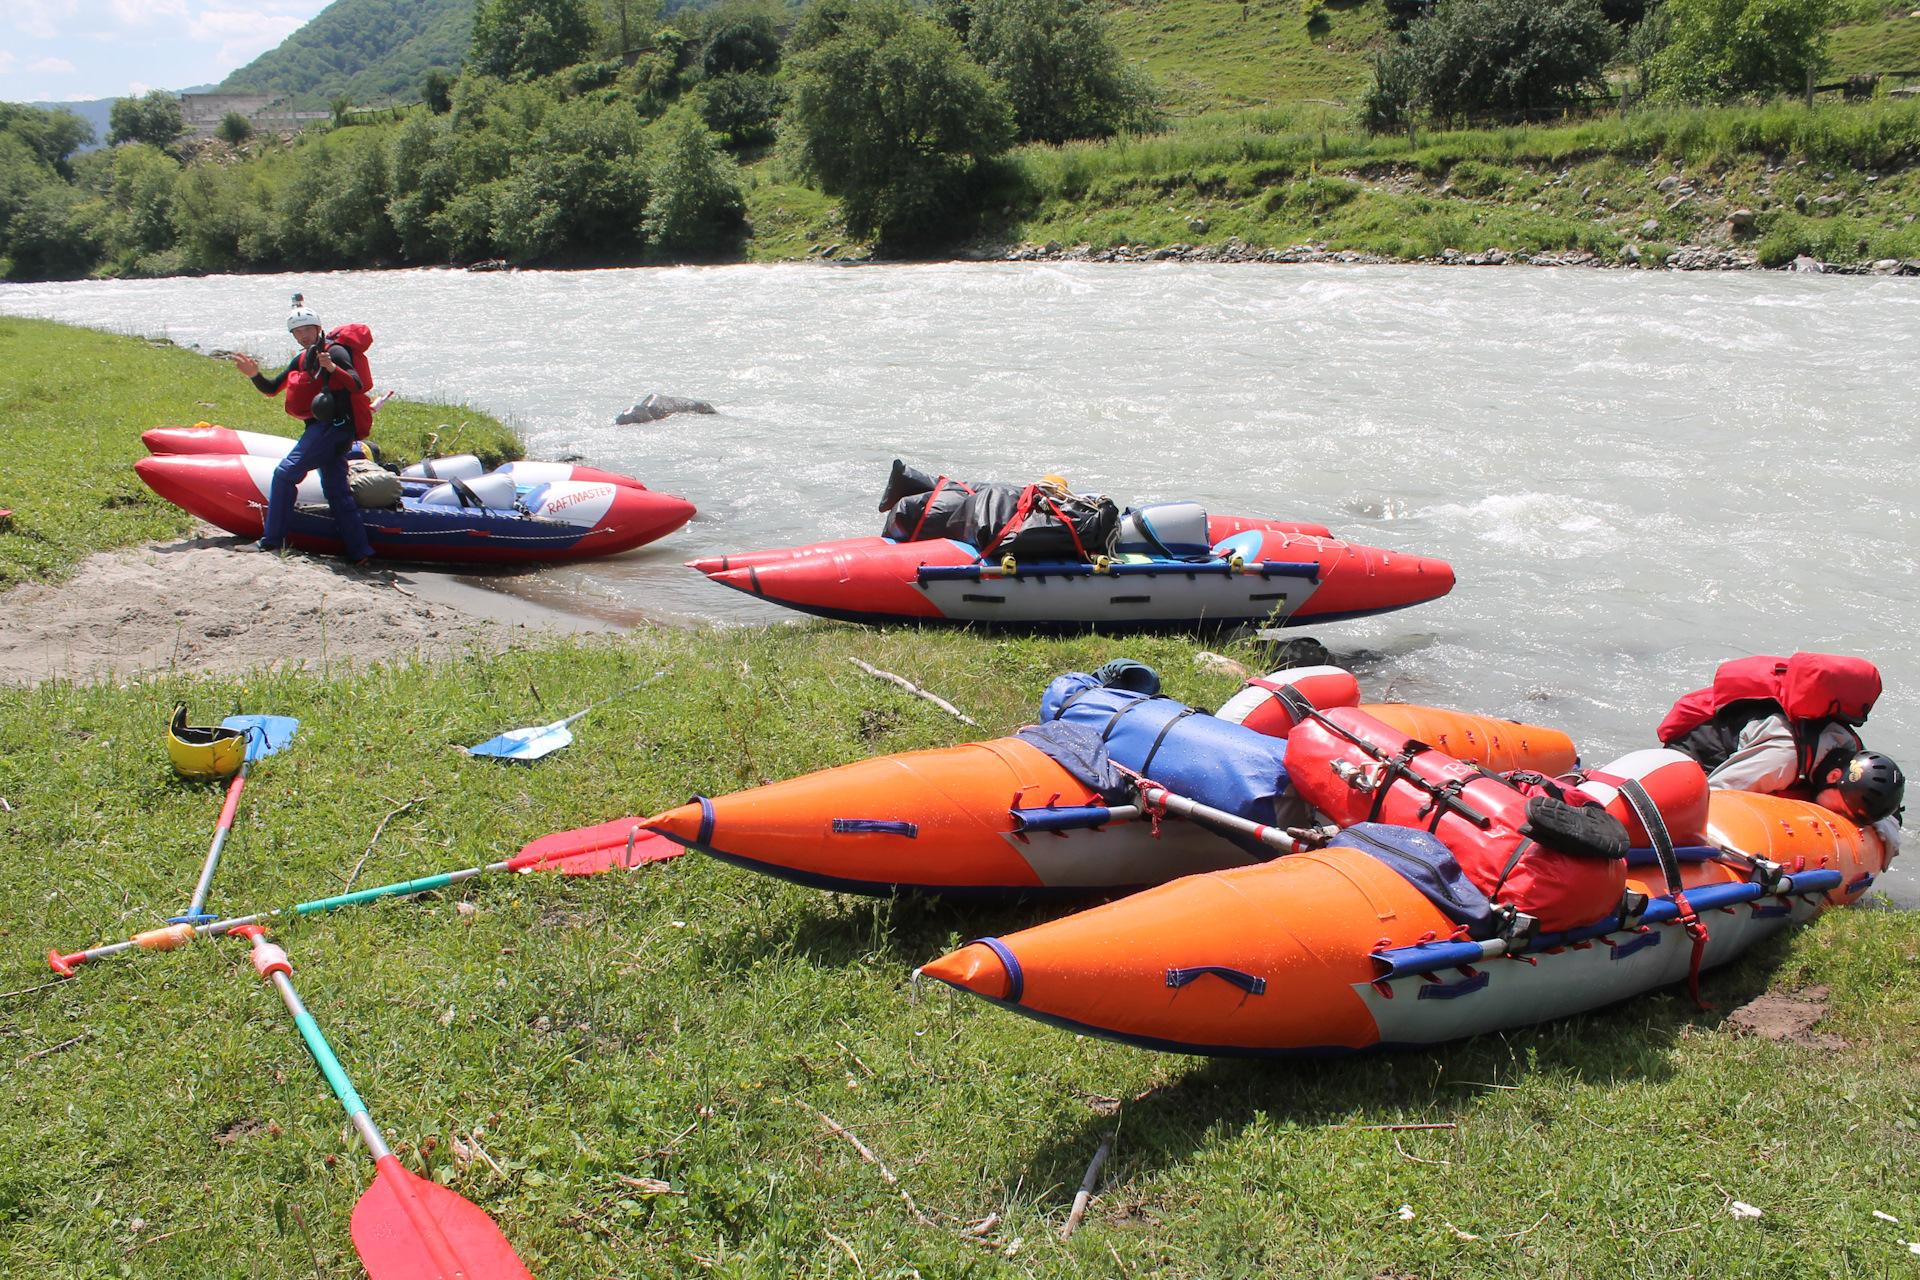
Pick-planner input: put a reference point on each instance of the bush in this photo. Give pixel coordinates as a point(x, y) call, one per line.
point(695, 200)
point(1721, 49)
point(155, 120)
point(1396, 92)
point(234, 128)
point(1058, 71)
point(527, 38)
point(1510, 55)
point(742, 108)
point(891, 116)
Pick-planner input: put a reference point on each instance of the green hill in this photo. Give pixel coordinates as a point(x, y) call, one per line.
point(1208, 55)
point(371, 50)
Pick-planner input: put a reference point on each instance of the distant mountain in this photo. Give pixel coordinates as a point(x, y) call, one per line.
point(370, 50)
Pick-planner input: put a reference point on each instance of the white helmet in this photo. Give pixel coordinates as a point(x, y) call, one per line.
point(301, 314)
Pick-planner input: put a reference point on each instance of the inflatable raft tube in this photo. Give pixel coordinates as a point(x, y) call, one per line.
point(996, 820)
point(1499, 745)
point(1333, 952)
point(255, 444)
point(1219, 528)
point(1272, 576)
point(569, 520)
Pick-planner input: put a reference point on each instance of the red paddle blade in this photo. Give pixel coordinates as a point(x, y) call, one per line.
point(407, 1228)
point(587, 851)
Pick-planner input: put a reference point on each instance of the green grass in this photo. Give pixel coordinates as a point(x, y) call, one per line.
point(73, 403)
point(1870, 47)
point(1279, 176)
point(670, 1024)
point(1209, 55)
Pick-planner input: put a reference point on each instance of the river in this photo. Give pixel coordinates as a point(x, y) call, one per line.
point(1635, 475)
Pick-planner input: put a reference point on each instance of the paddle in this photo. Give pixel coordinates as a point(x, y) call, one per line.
point(540, 740)
point(265, 736)
point(405, 1227)
point(622, 844)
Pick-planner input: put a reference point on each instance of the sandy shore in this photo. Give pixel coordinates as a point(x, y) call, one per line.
point(211, 603)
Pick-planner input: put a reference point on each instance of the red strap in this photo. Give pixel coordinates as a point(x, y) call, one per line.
point(1071, 531)
point(921, 523)
point(1696, 930)
point(1019, 517)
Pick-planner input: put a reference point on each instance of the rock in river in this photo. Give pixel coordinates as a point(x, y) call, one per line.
point(656, 407)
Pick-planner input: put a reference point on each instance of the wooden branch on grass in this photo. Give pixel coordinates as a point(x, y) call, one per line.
point(391, 815)
point(866, 1152)
point(64, 1044)
point(915, 690)
point(1088, 1183)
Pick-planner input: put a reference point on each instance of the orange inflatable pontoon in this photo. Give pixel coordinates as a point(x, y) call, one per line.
point(1333, 951)
point(993, 820)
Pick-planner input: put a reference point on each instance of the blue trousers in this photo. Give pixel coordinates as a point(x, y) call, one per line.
point(322, 447)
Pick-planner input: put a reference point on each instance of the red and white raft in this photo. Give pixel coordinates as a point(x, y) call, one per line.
point(1276, 572)
point(256, 444)
point(569, 519)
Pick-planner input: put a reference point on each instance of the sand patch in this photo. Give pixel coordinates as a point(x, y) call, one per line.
point(1789, 1018)
point(207, 604)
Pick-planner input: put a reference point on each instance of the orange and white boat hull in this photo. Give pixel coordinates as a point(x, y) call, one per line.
point(941, 823)
point(1279, 959)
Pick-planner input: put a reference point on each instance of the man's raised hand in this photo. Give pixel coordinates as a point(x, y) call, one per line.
point(246, 364)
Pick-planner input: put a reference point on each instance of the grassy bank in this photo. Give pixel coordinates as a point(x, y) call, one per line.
point(73, 403)
point(1838, 182)
point(670, 1024)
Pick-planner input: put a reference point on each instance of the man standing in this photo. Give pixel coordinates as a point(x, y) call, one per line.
point(319, 385)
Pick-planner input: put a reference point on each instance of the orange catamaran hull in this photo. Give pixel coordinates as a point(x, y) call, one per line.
point(1333, 952)
point(1000, 819)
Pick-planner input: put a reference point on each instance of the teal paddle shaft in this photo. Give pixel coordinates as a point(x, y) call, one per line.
point(178, 935)
point(273, 965)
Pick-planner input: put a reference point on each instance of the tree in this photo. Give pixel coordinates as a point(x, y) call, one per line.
point(1061, 75)
point(742, 44)
point(578, 188)
point(529, 38)
point(1510, 55)
point(155, 120)
point(340, 105)
point(436, 90)
point(742, 108)
point(891, 115)
point(234, 128)
point(51, 136)
point(1719, 49)
point(694, 198)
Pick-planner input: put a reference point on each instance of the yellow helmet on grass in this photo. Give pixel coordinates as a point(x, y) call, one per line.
point(204, 753)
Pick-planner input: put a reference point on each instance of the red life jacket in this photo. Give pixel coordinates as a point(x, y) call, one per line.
point(1808, 686)
point(302, 386)
point(1476, 815)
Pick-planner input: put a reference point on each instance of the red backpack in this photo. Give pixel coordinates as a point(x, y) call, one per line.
point(302, 386)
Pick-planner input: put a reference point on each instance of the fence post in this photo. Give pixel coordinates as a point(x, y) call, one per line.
point(1809, 88)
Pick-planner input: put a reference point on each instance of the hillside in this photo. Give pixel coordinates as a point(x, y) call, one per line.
point(1209, 55)
point(371, 50)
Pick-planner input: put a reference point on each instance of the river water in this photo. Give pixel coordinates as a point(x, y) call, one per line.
point(1635, 475)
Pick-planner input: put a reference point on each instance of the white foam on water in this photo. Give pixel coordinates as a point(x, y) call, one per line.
point(1635, 475)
